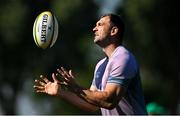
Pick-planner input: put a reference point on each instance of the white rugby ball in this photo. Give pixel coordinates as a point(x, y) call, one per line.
point(45, 30)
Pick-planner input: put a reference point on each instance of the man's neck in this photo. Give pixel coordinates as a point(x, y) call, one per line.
point(108, 50)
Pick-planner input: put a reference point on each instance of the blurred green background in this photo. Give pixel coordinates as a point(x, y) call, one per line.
point(152, 34)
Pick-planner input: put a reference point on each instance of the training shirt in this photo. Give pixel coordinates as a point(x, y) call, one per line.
point(121, 69)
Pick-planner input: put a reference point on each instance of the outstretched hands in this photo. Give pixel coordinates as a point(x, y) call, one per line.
point(43, 85)
point(66, 76)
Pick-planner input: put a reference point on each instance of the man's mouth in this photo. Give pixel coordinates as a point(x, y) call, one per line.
point(95, 34)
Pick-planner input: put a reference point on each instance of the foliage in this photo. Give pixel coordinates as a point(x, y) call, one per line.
point(152, 35)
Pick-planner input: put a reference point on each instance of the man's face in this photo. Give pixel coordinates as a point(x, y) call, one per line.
point(102, 30)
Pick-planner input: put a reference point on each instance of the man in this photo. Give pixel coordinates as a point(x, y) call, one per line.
point(116, 87)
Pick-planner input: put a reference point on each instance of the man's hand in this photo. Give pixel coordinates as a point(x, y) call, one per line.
point(43, 85)
point(67, 77)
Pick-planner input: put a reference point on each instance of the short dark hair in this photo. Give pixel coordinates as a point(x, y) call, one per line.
point(117, 21)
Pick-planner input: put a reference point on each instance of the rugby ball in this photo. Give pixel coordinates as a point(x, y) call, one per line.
point(45, 30)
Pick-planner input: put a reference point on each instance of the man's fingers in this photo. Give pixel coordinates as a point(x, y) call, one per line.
point(63, 79)
point(67, 76)
point(40, 91)
point(71, 74)
point(55, 78)
point(63, 83)
point(38, 87)
point(65, 72)
point(60, 72)
point(44, 78)
point(63, 69)
point(39, 82)
point(60, 79)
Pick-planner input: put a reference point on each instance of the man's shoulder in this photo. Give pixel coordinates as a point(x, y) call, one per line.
point(121, 53)
point(100, 62)
point(122, 57)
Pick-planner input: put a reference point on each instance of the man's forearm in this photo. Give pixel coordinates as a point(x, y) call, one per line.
point(77, 101)
point(98, 98)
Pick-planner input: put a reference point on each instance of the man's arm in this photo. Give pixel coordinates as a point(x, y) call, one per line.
point(77, 101)
point(43, 85)
point(108, 98)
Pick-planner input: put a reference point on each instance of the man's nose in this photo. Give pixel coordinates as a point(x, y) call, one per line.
point(94, 29)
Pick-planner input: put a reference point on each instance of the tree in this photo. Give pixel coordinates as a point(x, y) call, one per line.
point(153, 36)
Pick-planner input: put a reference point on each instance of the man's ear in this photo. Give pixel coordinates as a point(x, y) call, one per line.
point(114, 31)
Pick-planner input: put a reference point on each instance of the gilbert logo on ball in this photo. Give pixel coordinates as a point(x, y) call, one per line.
point(45, 30)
